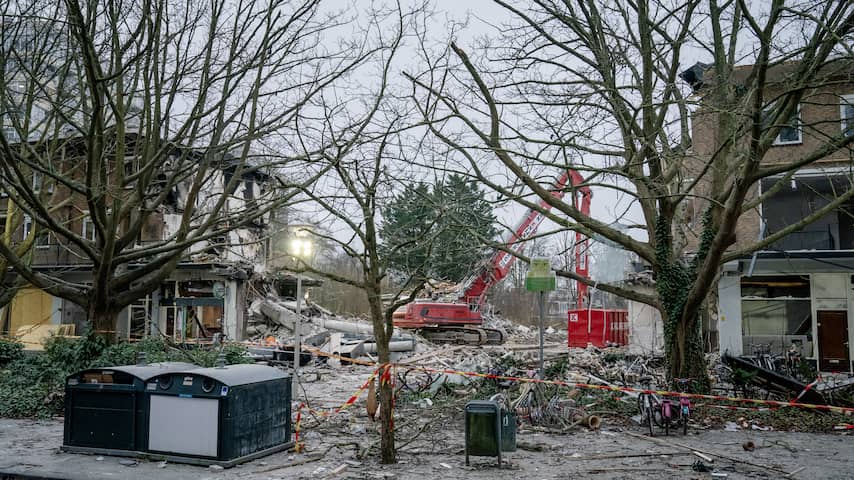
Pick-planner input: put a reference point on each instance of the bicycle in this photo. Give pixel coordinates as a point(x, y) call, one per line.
point(656, 410)
point(684, 402)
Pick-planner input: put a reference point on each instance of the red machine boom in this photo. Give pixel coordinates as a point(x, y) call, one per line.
point(442, 317)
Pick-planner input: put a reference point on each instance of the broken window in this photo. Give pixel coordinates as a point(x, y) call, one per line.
point(801, 197)
point(776, 313)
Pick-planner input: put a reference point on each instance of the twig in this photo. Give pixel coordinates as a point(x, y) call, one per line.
point(417, 434)
point(301, 461)
point(628, 455)
point(624, 469)
point(793, 472)
point(732, 459)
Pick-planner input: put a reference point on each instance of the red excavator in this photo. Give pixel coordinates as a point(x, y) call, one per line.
point(460, 320)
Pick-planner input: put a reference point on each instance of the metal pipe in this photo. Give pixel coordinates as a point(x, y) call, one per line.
point(399, 346)
point(542, 334)
point(297, 335)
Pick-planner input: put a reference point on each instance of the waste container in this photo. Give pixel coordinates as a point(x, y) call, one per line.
point(483, 429)
point(106, 409)
point(221, 415)
point(508, 431)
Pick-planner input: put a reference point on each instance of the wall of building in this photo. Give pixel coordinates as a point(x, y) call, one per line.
point(831, 288)
point(31, 306)
point(646, 330)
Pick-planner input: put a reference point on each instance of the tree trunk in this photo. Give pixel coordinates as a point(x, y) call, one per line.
point(386, 391)
point(382, 334)
point(687, 359)
point(103, 322)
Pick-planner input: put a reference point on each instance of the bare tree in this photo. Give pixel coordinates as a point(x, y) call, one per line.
point(369, 165)
point(126, 110)
point(594, 86)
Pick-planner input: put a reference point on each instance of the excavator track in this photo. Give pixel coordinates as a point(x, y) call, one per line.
point(463, 335)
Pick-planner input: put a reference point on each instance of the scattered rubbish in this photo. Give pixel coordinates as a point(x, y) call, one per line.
point(731, 427)
point(703, 456)
point(128, 463)
point(820, 393)
point(215, 467)
point(161, 464)
point(719, 475)
point(339, 469)
point(446, 465)
point(707, 453)
point(300, 461)
point(748, 446)
point(99, 459)
point(699, 466)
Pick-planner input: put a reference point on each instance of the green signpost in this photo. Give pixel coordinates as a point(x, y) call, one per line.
point(541, 279)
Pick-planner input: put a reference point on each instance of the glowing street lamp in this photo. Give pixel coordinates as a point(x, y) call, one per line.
point(301, 248)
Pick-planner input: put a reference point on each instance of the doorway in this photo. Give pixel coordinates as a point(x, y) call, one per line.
point(833, 341)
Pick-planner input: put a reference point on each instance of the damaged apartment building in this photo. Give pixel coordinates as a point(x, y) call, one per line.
point(204, 296)
point(798, 292)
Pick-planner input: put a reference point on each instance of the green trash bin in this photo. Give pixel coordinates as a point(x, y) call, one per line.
point(483, 429)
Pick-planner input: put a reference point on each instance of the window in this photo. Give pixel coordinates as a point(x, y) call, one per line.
point(776, 313)
point(846, 114)
point(42, 241)
point(790, 132)
point(88, 230)
point(38, 181)
point(249, 190)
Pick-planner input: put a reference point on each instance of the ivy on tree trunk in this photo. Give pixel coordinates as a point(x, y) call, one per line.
point(674, 280)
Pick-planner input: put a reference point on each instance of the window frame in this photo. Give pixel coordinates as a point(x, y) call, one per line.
point(846, 123)
point(799, 128)
point(87, 219)
point(41, 242)
point(37, 185)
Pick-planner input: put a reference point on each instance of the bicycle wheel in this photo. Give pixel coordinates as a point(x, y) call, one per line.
point(666, 416)
point(645, 411)
point(650, 417)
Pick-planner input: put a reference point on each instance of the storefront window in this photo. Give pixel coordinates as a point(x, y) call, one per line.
point(776, 313)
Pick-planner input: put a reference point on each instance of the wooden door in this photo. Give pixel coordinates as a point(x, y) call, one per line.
point(833, 341)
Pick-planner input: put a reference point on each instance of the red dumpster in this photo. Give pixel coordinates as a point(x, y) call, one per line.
point(598, 327)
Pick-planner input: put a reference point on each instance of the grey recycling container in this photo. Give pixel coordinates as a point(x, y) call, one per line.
point(221, 415)
point(106, 409)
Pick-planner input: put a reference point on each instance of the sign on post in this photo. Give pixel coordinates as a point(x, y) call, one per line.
point(540, 276)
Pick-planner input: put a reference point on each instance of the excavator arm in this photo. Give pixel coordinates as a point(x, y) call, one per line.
point(492, 272)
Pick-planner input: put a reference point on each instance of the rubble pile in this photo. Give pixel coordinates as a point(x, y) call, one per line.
point(272, 322)
point(522, 333)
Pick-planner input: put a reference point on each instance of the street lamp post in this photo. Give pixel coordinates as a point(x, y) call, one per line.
point(301, 248)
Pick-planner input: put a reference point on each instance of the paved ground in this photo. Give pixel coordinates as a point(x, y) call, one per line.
point(30, 449)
